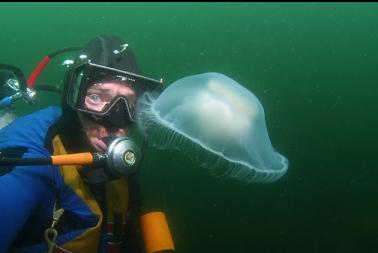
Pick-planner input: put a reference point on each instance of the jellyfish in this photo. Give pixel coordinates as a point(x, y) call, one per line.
point(215, 120)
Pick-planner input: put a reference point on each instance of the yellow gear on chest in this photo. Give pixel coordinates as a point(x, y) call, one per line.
point(117, 195)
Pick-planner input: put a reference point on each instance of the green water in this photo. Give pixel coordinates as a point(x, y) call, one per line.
point(313, 67)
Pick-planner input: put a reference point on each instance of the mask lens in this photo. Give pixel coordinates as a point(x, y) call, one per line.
point(100, 90)
point(100, 96)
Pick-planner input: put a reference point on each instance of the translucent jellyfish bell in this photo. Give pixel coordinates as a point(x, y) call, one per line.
point(216, 120)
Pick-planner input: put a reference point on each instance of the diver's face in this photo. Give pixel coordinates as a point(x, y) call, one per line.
point(99, 96)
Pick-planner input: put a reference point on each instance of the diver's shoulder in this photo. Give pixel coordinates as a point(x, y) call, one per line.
point(45, 116)
point(41, 119)
point(50, 111)
point(31, 128)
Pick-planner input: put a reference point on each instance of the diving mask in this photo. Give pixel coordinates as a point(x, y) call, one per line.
point(108, 93)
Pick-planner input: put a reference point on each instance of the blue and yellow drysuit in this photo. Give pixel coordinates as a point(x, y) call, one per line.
point(29, 194)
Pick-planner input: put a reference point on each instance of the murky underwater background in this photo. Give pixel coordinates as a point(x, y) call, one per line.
point(313, 66)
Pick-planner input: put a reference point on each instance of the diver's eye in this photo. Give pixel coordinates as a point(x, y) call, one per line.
point(94, 98)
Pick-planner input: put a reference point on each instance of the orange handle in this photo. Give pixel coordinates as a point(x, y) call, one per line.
point(156, 234)
point(73, 159)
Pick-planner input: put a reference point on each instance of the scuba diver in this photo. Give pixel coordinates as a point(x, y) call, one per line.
point(76, 208)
